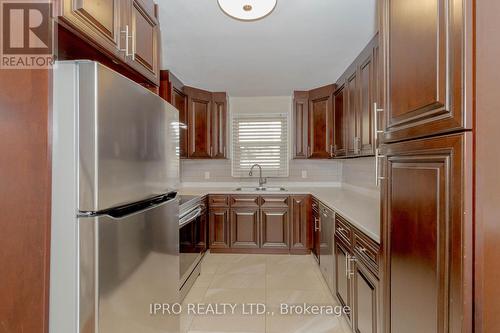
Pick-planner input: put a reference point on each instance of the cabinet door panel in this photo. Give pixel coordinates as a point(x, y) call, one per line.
point(426, 52)
point(219, 228)
point(219, 124)
point(339, 136)
point(321, 122)
point(144, 42)
point(367, 92)
point(426, 255)
point(300, 223)
point(301, 124)
point(352, 114)
point(274, 231)
point(342, 282)
point(245, 228)
point(199, 123)
point(97, 20)
point(179, 100)
point(365, 301)
point(101, 13)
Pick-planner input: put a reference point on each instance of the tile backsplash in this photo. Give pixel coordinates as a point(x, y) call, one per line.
point(196, 171)
point(359, 172)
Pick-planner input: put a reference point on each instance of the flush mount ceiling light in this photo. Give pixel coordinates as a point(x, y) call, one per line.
point(247, 10)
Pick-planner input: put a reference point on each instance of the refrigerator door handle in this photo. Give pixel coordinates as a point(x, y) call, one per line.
point(139, 207)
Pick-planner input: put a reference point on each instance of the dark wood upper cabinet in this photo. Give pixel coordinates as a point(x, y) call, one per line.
point(144, 39)
point(219, 125)
point(206, 123)
point(180, 101)
point(354, 105)
point(339, 133)
point(128, 30)
point(301, 124)
point(313, 123)
point(245, 228)
point(218, 230)
point(300, 206)
point(199, 123)
point(172, 90)
point(429, 58)
point(352, 113)
point(202, 118)
point(321, 122)
point(426, 228)
point(368, 81)
point(97, 20)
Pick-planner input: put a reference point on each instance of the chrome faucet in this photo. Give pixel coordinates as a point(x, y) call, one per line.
point(262, 181)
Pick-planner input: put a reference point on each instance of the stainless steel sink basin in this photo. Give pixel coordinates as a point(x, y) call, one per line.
point(261, 189)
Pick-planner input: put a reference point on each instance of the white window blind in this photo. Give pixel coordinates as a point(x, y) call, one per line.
point(263, 140)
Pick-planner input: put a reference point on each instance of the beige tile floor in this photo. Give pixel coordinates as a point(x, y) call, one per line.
point(265, 279)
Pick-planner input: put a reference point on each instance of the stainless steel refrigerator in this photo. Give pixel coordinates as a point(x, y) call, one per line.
point(115, 212)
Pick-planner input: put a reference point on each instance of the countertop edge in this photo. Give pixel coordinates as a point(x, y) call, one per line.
point(328, 203)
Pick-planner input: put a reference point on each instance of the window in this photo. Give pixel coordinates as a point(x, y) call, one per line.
point(260, 139)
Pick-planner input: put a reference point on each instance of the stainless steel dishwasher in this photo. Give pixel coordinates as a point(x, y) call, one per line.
point(327, 220)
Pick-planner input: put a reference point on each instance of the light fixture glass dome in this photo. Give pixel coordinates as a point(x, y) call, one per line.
point(247, 10)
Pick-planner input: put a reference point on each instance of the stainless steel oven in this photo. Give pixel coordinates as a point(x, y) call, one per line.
point(193, 242)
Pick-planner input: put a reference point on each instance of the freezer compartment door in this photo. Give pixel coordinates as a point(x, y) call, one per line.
point(127, 263)
point(128, 140)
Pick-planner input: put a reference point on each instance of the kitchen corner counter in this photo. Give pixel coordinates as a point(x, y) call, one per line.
point(359, 208)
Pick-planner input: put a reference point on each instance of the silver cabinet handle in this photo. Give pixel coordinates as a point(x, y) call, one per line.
point(225, 151)
point(308, 151)
point(211, 151)
point(127, 44)
point(352, 259)
point(378, 178)
point(347, 265)
point(376, 131)
point(316, 224)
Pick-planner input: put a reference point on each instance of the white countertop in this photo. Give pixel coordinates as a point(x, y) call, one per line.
point(361, 208)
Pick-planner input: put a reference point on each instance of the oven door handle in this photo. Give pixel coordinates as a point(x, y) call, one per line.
point(190, 217)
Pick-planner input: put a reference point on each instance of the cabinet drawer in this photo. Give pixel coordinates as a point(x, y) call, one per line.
point(218, 201)
point(244, 201)
point(367, 250)
point(274, 201)
point(343, 230)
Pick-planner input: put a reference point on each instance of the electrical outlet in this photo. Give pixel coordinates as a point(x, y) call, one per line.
point(207, 174)
point(304, 173)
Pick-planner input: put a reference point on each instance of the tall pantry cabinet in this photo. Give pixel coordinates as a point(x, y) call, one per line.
point(425, 166)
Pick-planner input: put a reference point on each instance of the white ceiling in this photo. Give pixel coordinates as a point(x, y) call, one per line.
point(303, 44)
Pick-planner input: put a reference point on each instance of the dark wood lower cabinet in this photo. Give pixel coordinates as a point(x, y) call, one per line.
point(365, 300)
point(260, 224)
point(218, 219)
point(245, 228)
point(274, 228)
point(315, 230)
point(427, 231)
point(342, 284)
point(300, 220)
point(356, 270)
